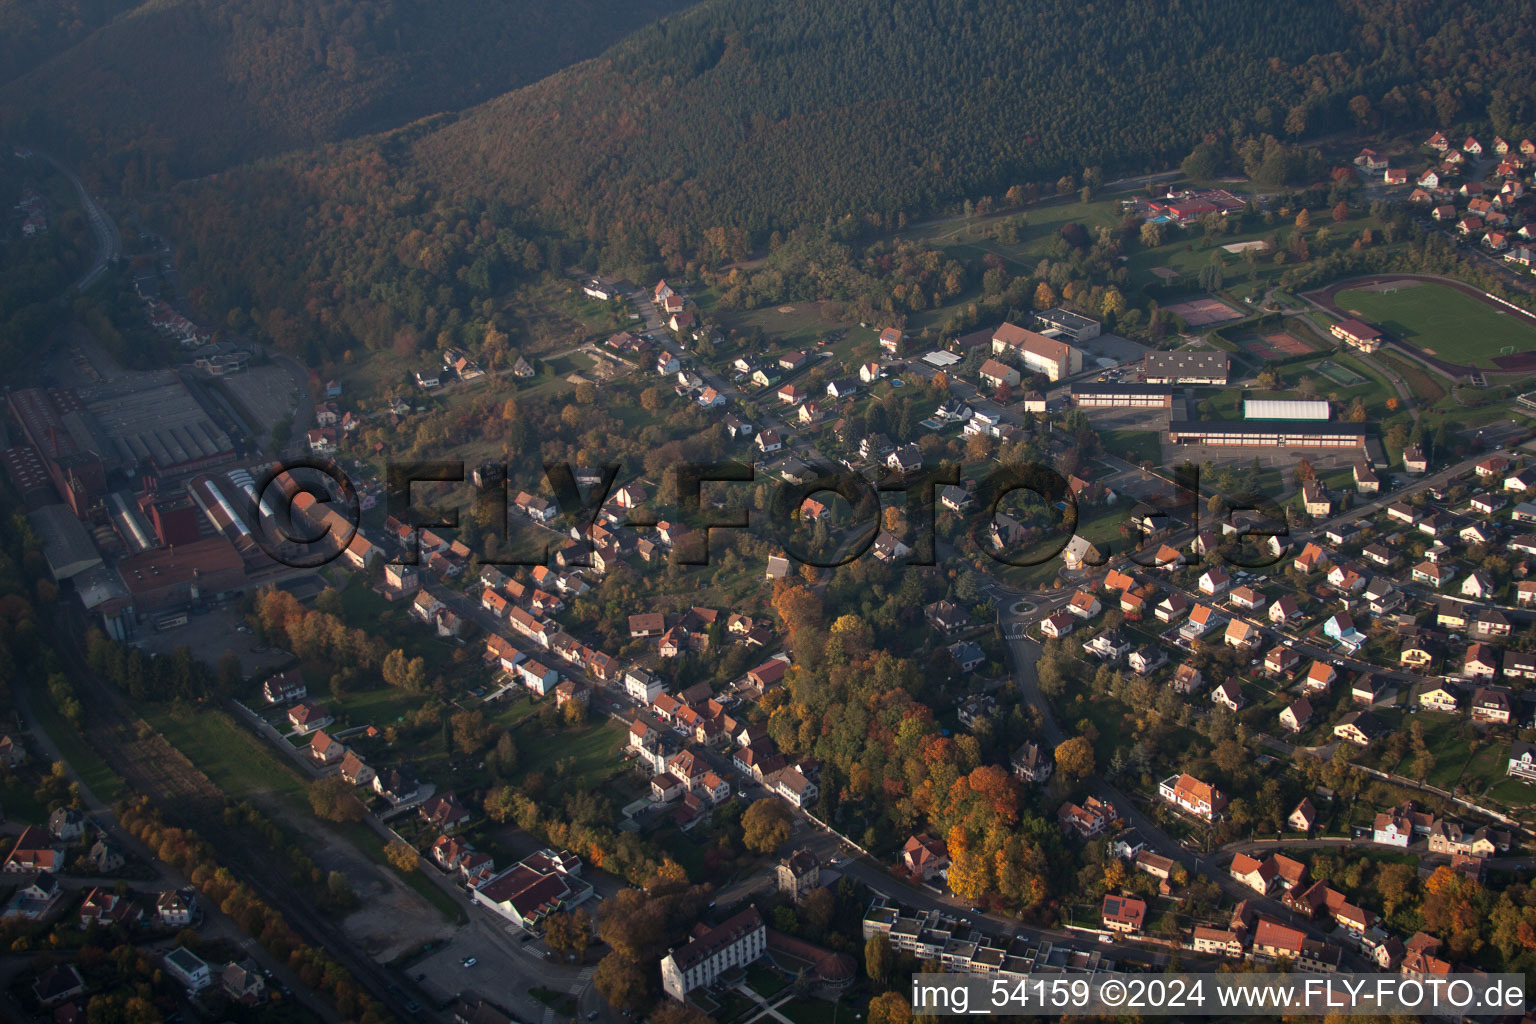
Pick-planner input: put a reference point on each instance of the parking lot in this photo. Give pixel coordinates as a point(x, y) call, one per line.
point(1324, 460)
point(265, 395)
point(498, 974)
point(210, 635)
point(1112, 347)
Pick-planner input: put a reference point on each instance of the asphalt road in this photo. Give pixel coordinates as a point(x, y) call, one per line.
point(109, 243)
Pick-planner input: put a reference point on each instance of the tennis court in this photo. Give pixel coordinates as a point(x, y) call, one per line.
point(1203, 312)
point(1276, 345)
point(1340, 375)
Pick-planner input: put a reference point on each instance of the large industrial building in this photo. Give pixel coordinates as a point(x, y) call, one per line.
point(1205, 366)
point(1285, 409)
point(54, 424)
point(139, 424)
point(174, 577)
point(151, 421)
point(1122, 396)
point(67, 545)
point(1268, 433)
point(1050, 356)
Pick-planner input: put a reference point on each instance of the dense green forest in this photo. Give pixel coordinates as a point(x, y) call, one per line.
point(735, 118)
point(31, 31)
point(180, 88)
point(697, 138)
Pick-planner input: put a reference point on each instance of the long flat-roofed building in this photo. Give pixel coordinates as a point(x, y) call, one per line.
point(1268, 433)
point(1068, 324)
point(1285, 409)
point(1205, 366)
point(1122, 396)
point(1357, 333)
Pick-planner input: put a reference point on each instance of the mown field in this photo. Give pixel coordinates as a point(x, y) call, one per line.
point(1442, 321)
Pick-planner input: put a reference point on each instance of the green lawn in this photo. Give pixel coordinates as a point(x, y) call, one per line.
point(238, 763)
point(104, 783)
point(243, 766)
point(382, 707)
point(20, 802)
point(1134, 446)
point(583, 757)
point(1442, 321)
point(1443, 736)
point(806, 1010)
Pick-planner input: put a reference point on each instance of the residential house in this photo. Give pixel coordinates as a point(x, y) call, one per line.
point(1084, 605)
point(1444, 697)
point(1285, 609)
point(1123, 914)
point(1522, 762)
point(1229, 695)
point(1320, 676)
point(284, 687)
point(925, 857)
point(1088, 819)
point(1111, 645)
point(1242, 634)
point(1304, 817)
point(1492, 705)
point(1297, 715)
point(1519, 665)
point(967, 656)
point(798, 875)
point(1187, 680)
point(325, 749)
point(1360, 728)
point(1172, 608)
point(1214, 582)
point(1256, 875)
point(1201, 621)
point(305, 718)
point(1032, 763)
point(1193, 796)
point(188, 968)
point(1480, 662)
point(1247, 598)
point(1281, 661)
point(1058, 625)
point(176, 908)
point(1367, 689)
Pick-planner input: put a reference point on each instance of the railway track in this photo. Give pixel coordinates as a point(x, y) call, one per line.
point(188, 798)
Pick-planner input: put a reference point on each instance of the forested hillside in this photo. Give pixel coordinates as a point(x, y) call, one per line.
point(736, 118)
point(698, 137)
point(31, 31)
point(180, 88)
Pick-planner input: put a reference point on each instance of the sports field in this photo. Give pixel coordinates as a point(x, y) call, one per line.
point(1442, 321)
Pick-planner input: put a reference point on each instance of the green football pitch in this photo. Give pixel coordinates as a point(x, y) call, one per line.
point(1442, 321)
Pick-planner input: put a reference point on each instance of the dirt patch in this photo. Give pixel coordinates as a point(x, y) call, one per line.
point(392, 918)
point(1203, 312)
point(1276, 345)
point(392, 922)
point(786, 309)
